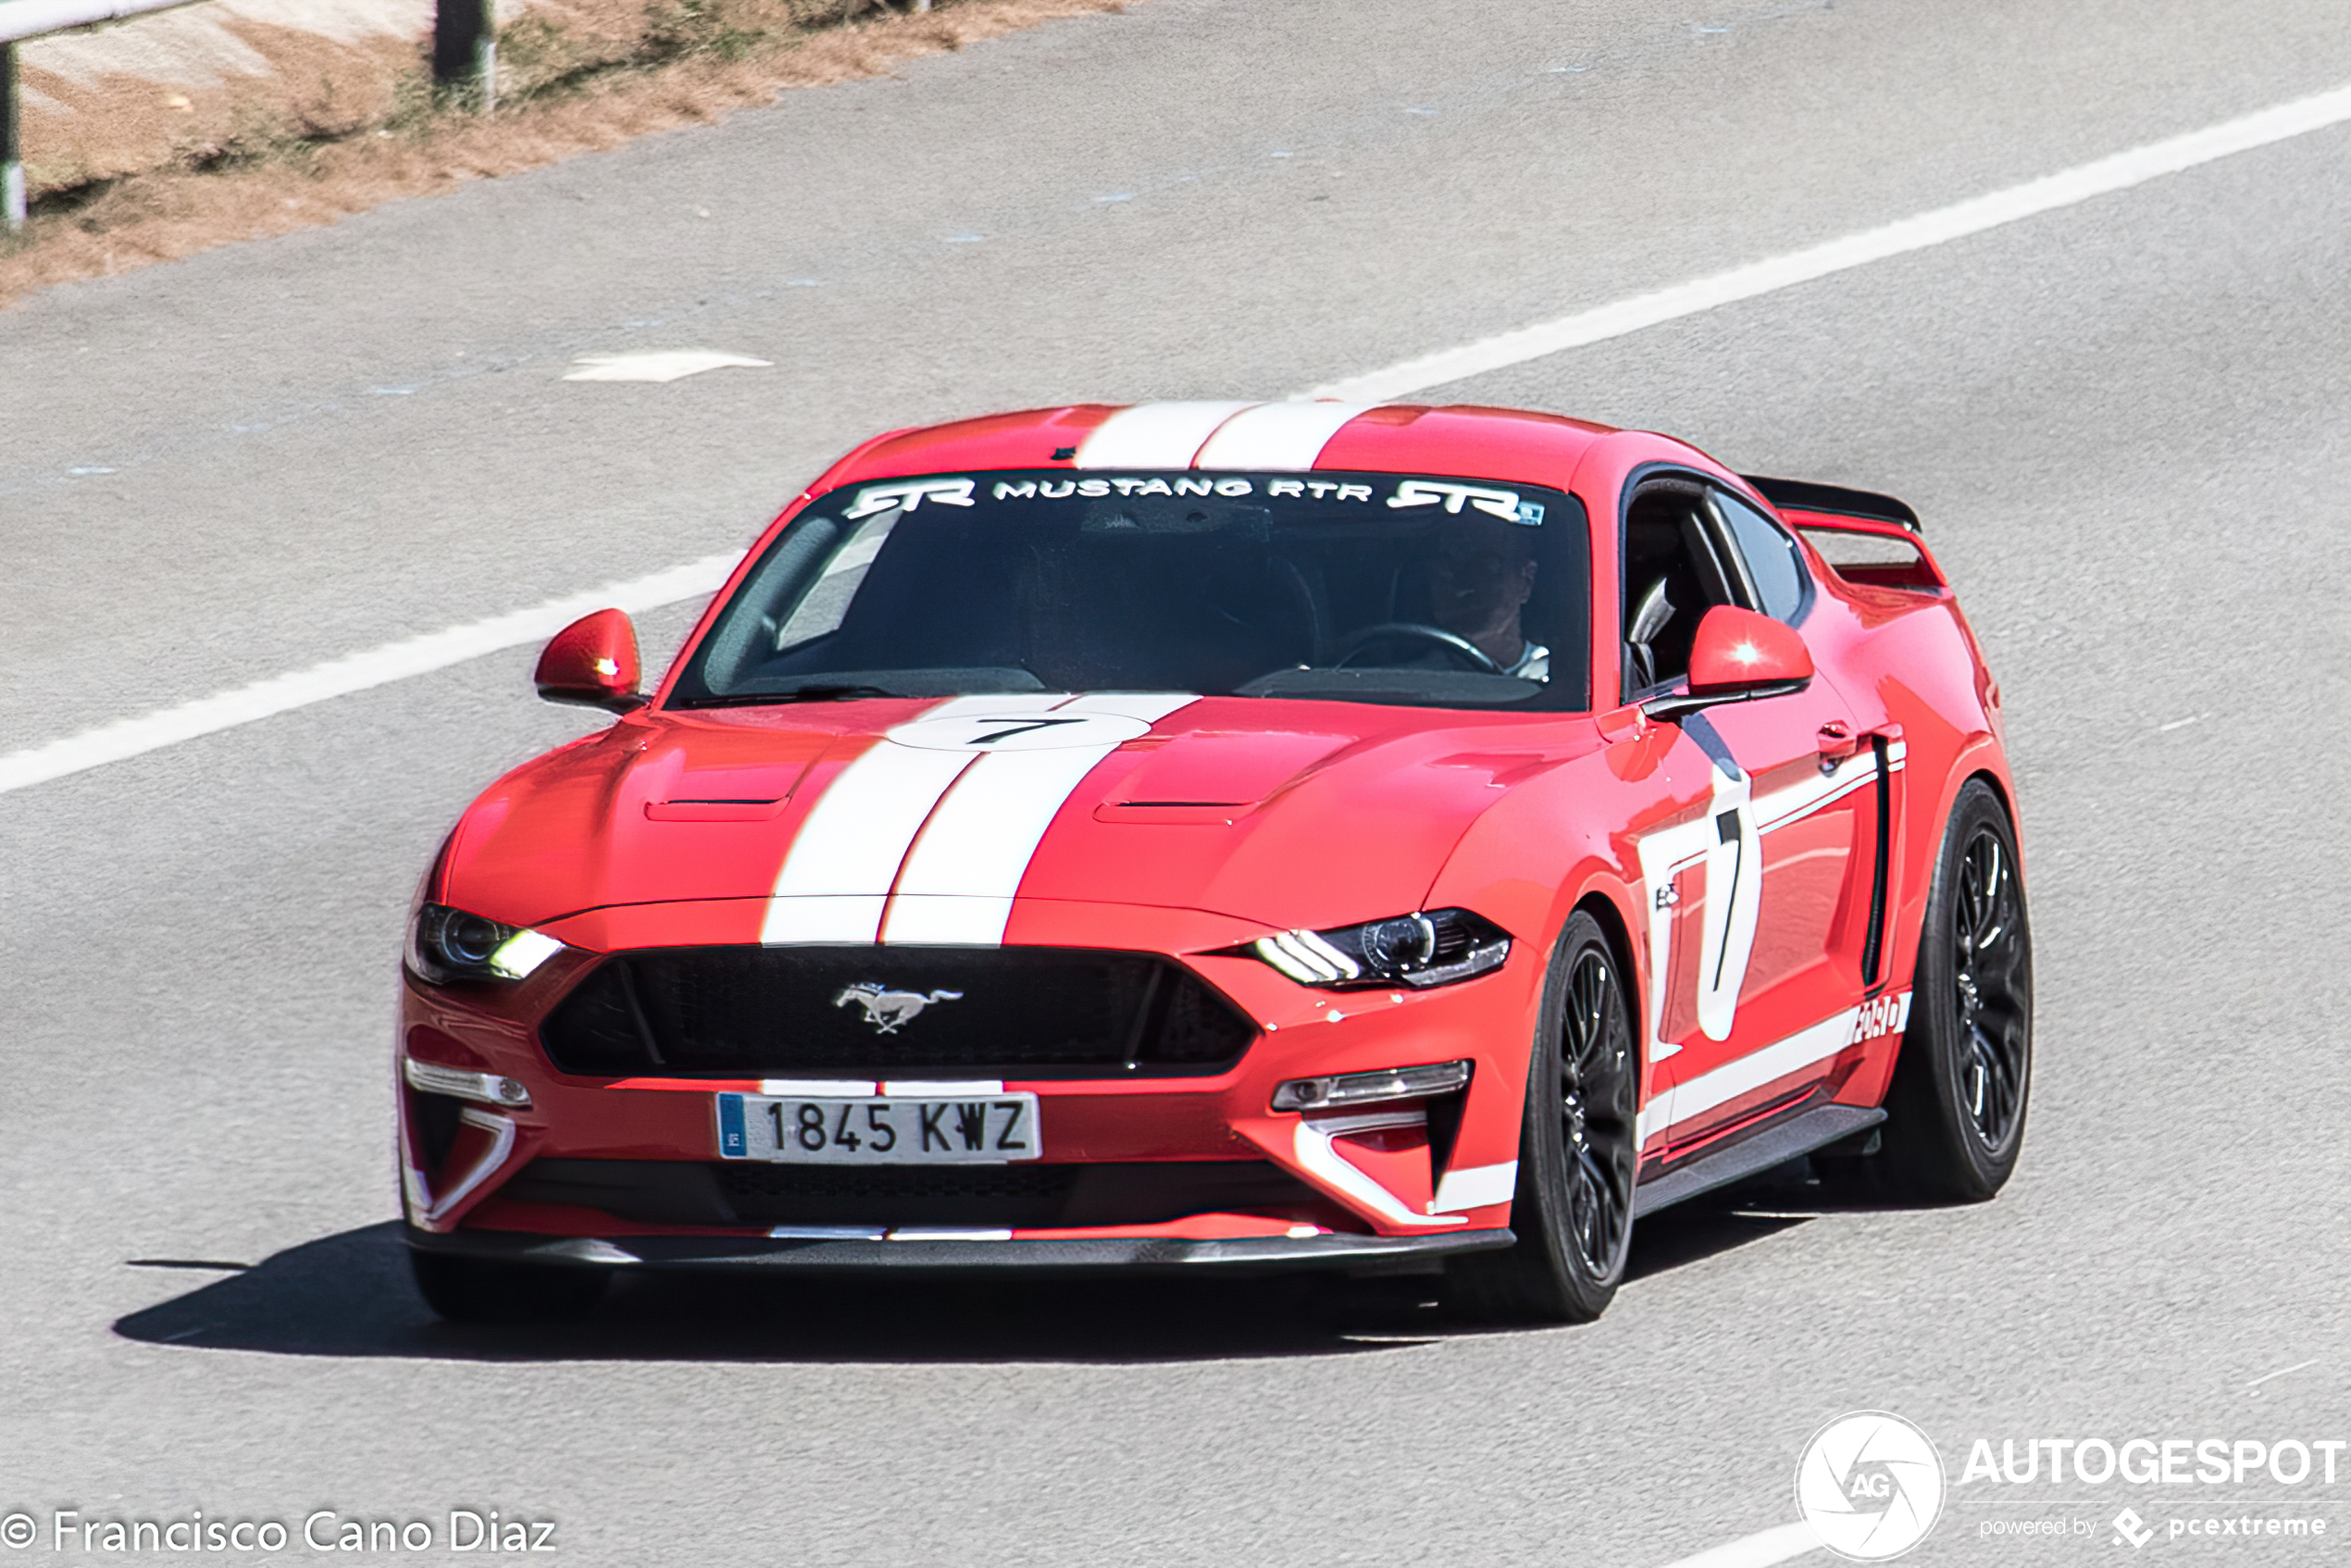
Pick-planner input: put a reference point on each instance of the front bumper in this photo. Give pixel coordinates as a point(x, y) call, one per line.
point(1356, 1254)
point(1396, 1175)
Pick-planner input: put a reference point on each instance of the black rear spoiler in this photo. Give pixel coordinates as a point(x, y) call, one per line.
point(1804, 496)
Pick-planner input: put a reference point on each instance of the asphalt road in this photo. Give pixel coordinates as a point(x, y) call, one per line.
point(2123, 424)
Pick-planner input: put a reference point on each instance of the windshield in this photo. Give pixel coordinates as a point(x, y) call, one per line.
point(1379, 588)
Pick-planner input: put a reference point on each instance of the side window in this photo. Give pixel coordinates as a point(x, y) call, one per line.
point(1772, 563)
point(1672, 576)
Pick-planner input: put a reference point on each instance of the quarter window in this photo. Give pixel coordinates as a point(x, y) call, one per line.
point(1773, 564)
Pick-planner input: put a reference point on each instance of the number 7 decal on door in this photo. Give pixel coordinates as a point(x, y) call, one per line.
point(1722, 845)
point(1734, 898)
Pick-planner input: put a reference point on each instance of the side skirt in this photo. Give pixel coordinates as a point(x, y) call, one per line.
point(1775, 1145)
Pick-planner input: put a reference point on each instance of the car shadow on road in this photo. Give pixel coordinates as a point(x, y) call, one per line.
point(350, 1295)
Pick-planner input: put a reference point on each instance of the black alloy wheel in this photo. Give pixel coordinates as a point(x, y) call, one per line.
point(1956, 1110)
point(1990, 986)
point(1596, 1122)
point(1577, 1154)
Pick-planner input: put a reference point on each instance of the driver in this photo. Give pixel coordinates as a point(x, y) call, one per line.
point(1480, 576)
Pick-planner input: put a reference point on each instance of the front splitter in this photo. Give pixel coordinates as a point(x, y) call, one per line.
point(1254, 1254)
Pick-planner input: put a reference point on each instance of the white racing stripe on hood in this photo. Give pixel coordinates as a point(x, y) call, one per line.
point(1286, 437)
point(837, 875)
point(1154, 435)
point(957, 885)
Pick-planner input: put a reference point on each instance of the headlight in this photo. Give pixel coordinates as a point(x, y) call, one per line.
point(1418, 950)
point(447, 944)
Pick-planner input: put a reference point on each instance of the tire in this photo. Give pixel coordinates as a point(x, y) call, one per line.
point(1577, 1156)
point(1954, 1111)
point(466, 1289)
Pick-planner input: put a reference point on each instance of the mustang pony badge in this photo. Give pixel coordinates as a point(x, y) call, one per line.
point(889, 1011)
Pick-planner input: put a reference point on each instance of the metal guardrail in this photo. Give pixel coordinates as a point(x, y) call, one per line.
point(20, 20)
point(465, 47)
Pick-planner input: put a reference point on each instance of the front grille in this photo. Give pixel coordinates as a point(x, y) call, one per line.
point(785, 1012)
point(991, 1197)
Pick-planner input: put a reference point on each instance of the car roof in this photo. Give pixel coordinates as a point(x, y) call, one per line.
point(1467, 441)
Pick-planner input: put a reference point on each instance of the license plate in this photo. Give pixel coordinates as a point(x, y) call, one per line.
point(989, 1129)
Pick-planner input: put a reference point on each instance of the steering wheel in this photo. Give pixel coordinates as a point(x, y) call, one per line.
point(1460, 647)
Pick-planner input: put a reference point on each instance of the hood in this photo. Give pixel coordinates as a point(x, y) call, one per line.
point(1294, 814)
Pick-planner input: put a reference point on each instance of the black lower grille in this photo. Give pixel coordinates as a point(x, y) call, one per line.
point(1007, 1197)
point(882, 1012)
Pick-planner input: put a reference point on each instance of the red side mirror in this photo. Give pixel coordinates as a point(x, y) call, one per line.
point(1738, 656)
point(592, 662)
point(1735, 648)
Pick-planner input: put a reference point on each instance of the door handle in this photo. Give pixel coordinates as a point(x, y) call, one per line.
point(1837, 742)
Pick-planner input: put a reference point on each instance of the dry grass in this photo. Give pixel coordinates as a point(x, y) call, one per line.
point(347, 128)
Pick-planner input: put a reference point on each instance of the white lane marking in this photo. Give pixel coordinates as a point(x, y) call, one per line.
point(841, 862)
point(1474, 1188)
point(2281, 1372)
point(1154, 435)
point(128, 738)
point(421, 656)
point(2067, 188)
point(657, 364)
point(1279, 436)
point(956, 886)
point(1760, 1549)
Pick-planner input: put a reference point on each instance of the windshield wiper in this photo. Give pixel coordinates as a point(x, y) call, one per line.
point(813, 692)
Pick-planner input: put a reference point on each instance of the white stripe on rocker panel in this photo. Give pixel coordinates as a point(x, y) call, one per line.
point(957, 887)
point(1283, 436)
point(1153, 435)
point(1739, 1075)
point(839, 870)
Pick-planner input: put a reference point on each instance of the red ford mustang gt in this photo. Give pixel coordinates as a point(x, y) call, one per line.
point(1203, 834)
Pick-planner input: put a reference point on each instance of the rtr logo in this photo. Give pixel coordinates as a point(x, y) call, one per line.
point(1871, 1485)
point(1502, 504)
point(908, 495)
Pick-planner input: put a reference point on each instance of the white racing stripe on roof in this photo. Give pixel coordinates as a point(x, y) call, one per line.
point(1154, 435)
point(1279, 436)
point(957, 886)
point(838, 873)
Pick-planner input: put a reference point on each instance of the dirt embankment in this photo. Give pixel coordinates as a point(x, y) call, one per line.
point(239, 118)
